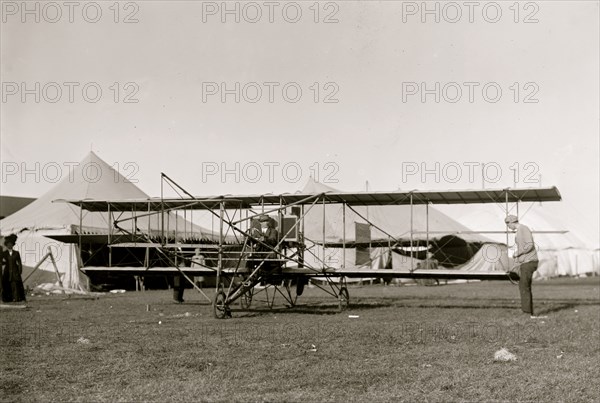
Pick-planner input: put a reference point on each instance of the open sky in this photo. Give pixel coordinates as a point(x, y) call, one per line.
point(396, 93)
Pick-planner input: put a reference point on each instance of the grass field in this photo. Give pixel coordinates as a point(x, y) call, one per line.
point(408, 343)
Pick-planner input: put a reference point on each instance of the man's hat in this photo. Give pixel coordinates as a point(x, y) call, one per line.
point(511, 219)
point(264, 218)
point(10, 238)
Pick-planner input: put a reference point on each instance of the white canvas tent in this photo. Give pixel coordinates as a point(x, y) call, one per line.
point(92, 178)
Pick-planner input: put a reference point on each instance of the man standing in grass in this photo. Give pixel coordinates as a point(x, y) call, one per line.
point(526, 259)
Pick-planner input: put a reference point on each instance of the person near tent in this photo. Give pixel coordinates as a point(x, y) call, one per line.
point(12, 268)
point(526, 259)
point(199, 261)
point(263, 241)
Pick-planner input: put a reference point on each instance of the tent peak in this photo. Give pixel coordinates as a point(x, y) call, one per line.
point(313, 186)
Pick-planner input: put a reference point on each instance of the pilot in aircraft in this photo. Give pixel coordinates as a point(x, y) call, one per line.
point(268, 235)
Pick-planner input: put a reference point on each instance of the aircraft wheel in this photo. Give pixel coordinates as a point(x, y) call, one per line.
point(220, 308)
point(246, 299)
point(344, 298)
point(221, 288)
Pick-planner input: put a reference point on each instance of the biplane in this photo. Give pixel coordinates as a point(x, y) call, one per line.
point(244, 262)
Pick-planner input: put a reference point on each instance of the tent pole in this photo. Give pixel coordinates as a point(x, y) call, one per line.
point(220, 267)
point(343, 235)
point(80, 251)
point(71, 266)
point(389, 263)
point(280, 215)
point(411, 233)
point(301, 252)
point(133, 219)
point(150, 237)
point(427, 225)
point(110, 220)
point(55, 269)
point(162, 210)
point(36, 267)
point(168, 227)
point(506, 225)
point(323, 231)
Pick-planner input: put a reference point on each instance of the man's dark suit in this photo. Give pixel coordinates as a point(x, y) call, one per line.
point(270, 237)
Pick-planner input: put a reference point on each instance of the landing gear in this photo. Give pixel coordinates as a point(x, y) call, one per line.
point(220, 308)
point(246, 299)
point(344, 298)
point(291, 300)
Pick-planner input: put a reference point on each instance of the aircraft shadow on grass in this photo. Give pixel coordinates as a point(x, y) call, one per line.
point(321, 309)
point(544, 307)
point(562, 306)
